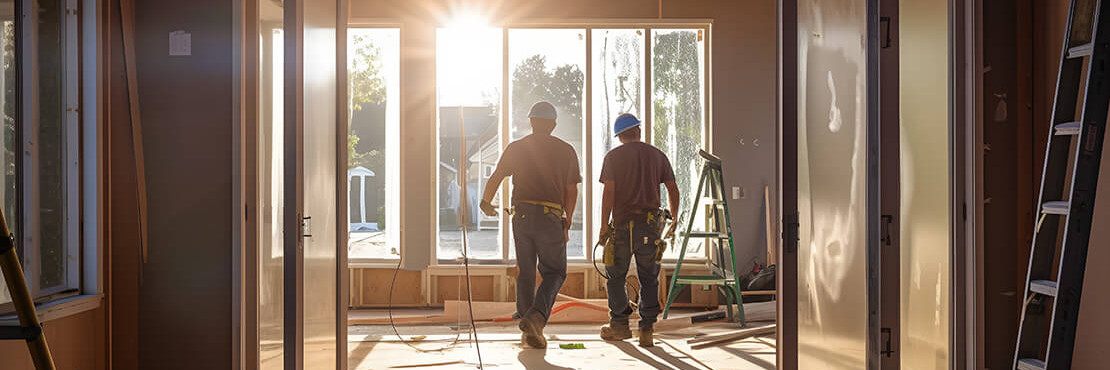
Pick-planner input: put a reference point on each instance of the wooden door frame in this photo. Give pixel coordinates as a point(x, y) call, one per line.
point(786, 356)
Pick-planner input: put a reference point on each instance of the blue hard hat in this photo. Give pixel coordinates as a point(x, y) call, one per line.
point(624, 122)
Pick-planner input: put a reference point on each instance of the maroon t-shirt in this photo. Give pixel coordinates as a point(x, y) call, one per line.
point(637, 169)
point(541, 166)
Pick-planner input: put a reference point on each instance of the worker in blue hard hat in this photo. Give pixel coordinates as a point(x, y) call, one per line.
point(632, 174)
point(545, 192)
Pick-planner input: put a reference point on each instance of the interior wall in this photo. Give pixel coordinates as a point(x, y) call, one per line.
point(1009, 182)
point(174, 310)
point(76, 343)
point(743, 59)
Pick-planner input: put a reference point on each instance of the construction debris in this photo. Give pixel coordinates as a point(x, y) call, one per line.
point(717, 339)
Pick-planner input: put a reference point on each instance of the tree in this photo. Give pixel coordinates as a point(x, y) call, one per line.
point(620, 65)
point(561, 86)
point(366, 85)
point(677, 105)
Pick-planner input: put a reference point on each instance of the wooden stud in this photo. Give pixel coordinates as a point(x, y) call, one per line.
point(127, 9)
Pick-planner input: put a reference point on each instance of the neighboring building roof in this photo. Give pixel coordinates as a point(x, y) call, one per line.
point(360, 171)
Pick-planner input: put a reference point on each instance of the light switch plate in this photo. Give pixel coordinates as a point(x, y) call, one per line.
point(737, 192)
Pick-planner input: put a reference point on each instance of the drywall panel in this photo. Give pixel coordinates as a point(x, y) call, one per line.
point(832, 184)
point(925, 206)
point(184, 308)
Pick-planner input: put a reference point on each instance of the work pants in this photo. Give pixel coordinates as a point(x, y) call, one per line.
point(638, 240)
point(538, 235)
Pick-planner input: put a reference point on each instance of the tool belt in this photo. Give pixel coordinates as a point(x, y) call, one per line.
point(552, 210)
point(653, 219)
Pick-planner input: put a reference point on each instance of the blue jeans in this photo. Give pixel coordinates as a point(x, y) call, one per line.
point(638, 241)
point(538, 236)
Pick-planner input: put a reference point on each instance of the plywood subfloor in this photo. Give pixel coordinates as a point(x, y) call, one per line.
point(377, 347)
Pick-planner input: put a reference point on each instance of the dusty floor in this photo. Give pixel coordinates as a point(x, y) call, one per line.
point(378, 347)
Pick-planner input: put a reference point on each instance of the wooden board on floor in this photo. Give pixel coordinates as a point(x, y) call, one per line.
point(455, 311)
point(717, 339)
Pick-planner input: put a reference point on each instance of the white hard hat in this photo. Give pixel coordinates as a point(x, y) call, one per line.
point(542, 109)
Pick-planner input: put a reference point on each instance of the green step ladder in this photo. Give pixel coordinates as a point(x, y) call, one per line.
point(722, 266)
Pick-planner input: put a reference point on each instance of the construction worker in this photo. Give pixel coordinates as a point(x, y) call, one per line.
point(631, 174)
point(545, 191)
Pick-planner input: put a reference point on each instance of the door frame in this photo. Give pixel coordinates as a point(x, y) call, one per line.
point(786, 356)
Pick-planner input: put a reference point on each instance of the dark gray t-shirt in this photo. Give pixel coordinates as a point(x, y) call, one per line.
point(637, 169)
point(541, 166)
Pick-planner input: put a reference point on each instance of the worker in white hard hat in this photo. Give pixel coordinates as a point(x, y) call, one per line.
point(632, 174)
point(545, 189)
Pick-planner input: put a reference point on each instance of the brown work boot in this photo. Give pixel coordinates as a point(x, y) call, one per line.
point(531, 328)
point(612, 331)
point(647, 339)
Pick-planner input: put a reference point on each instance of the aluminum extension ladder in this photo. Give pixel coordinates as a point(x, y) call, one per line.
point(1067, 196)
point(722, 268)
point(29, 329)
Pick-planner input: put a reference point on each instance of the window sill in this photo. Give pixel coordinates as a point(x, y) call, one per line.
point(58, 309)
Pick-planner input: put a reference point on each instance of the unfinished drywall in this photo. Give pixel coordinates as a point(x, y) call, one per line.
point(174, 311)
point(742, 102)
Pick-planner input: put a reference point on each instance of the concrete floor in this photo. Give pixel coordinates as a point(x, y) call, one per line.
point(377, 347)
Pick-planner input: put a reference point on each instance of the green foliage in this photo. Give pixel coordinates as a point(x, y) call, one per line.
point(366, 85)
point(677, 105)
point(365, 82)
point(562, 86)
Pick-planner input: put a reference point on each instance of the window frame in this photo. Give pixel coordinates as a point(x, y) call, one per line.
point(30, 195)
point(588, 198)
point(81, 119)
point(360, 262)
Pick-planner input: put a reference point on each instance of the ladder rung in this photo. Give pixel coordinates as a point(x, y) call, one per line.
point(1045, 287)
point(1080, 51)
point(1055, 208)
point(706, 234)
point(1030, 364)
point(1067, 128)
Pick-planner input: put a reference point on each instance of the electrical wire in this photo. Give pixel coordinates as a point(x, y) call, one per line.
point(470, 297)
point(392, 324)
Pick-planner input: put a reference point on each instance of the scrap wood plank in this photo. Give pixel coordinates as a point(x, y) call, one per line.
point(586, 310)
point(127, 16)
point(716, 339)
point(755, 312)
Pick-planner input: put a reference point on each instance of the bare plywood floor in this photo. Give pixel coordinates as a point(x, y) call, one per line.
point(377, 347)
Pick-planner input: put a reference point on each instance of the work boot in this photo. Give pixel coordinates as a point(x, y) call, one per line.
point(613, 331)
point(531, 328)
point(647, 339)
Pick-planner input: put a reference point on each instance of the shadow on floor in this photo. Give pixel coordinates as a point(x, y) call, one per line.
point(537, 359)
point(358, 354)
point(750, 357)
point(635, 352)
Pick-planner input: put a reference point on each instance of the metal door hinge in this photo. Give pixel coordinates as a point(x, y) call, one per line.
point(888, 347)
point(887, 221)
point(790, 232)
point(885, 22)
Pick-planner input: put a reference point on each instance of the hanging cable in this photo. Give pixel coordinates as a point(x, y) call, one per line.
point(464, 224)
point(389, 307)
